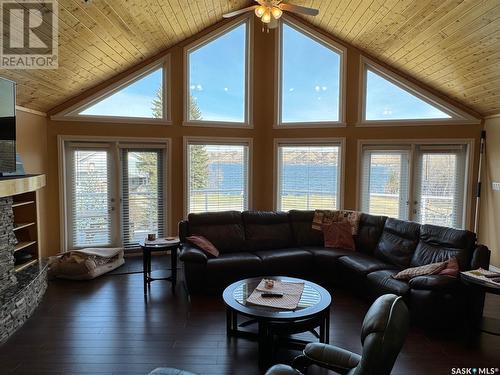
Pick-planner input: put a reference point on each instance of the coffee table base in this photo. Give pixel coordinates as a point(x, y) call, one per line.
point(271, 332)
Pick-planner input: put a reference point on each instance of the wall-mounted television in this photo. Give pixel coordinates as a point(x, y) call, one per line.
point(7, 126)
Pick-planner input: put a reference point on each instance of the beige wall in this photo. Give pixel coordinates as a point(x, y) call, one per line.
point(489, 224)
point(262, 133)
point(31, 144)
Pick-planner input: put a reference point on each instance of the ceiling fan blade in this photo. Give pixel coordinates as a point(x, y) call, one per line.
point(299, 9)
point(273, 24)
point(240, 11)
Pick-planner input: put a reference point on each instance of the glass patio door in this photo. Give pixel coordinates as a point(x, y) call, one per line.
point(439, 185)
point(91, 196)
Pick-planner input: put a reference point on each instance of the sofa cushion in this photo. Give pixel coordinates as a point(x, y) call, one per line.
point(223, 229)
point(398, 242)
point(304, 234)
point(438, 244)
point(267, 230)
point(289, 261)
point(230, 267)
point(363, 264)
point(369, 231)
point(383, 283)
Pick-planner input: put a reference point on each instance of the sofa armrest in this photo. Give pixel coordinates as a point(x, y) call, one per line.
point(480, 258)
point(183, 230)
point(434, 282)
point(332, 357)
point(192, 254)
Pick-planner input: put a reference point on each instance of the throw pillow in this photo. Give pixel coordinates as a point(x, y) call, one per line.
point(203, 244)
point(428, 269)
point(452, 268)
point(326, 217)
point(339, 236)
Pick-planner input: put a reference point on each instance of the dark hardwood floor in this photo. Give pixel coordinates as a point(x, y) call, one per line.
point(105, 327)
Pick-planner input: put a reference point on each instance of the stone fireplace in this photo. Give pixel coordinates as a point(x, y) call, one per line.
point(7, 243)
point(23, 281)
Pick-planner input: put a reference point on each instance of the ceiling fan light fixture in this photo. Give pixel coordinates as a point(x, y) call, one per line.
point(260, 10)
point(276, 12)
point(266, 17)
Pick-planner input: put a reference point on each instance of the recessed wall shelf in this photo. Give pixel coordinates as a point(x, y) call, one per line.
point(18, 226)
point(24, 265)
point(19, 204)
point(23, 244)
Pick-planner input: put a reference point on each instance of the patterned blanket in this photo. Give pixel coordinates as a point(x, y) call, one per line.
point(326, 217)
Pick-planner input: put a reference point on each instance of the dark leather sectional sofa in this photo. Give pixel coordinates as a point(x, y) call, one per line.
point(254, 243)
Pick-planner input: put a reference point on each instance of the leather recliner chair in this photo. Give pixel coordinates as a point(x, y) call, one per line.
point(383, 334)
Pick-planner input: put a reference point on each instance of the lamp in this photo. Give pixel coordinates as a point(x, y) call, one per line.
point(260, 10)
point(276, 12)
point(266, 17)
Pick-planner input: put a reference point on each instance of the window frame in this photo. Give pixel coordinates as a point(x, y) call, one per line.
point(247, 123)
point(327, 141)
point(122, 142)
point(385, 144)
point(326, 42)
point(236, 141)
point(72, 113)
point(457, 116)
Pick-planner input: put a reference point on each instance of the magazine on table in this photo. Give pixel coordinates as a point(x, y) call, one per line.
point(487, 276)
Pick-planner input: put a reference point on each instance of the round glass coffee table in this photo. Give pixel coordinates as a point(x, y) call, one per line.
point(312, 312)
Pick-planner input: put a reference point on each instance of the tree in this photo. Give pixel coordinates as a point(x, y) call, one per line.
point(199, 155)
point(392, 184)
point(157, 106)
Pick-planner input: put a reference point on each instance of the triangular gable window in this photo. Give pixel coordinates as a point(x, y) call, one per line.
point(141, 98)
point(389, 98)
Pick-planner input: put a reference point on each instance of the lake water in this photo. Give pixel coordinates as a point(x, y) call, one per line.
point(297, 178)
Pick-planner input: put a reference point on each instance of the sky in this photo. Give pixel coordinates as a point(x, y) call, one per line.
point(310, 85)
point(131, 101)
point(217, 77)
point(386, 101)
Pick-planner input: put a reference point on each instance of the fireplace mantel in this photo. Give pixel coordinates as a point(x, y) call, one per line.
point(14, 185)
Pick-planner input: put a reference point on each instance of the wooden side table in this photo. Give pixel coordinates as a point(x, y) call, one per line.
point(147, 249)
point(488, 325)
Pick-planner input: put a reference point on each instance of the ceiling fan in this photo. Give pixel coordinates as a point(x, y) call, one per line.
point(270, 11)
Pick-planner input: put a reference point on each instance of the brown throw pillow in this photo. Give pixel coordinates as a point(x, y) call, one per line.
point(428, 269)
point(203, 244)
point(339, 236)
point(452, 268)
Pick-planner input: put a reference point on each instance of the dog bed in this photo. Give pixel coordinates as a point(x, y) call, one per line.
point(86, 264)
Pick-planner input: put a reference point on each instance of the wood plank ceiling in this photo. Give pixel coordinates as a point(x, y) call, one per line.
point(450, 45)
